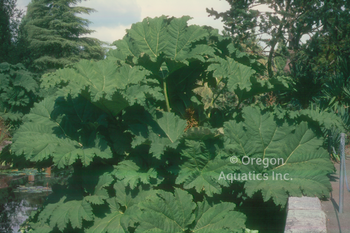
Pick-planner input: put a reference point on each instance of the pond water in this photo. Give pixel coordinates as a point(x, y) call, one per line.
point(21, 193)
point(15, 209)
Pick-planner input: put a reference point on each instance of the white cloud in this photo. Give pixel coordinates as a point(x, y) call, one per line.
point(194, 8)
point(109, 34)
point(22, 4)
point(114, 16)
point(136, 10)
point(111, 13)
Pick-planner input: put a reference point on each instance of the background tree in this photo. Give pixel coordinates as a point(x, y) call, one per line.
point(53, 35)
point(9, 22)
point(312, 63)
point(318, 66)
point(289, 21)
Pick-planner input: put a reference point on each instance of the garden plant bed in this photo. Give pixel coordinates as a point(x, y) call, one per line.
point(179, 127)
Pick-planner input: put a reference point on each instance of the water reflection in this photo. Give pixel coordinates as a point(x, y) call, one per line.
point(16, 212)
point(21, 193)
point(17, 201)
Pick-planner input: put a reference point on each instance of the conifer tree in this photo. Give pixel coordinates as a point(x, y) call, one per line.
point(54, 35)
point(9, 21)
point(5, 36)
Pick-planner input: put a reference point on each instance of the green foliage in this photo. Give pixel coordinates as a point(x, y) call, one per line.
point(9, 22)
point(245, 24)
point(318, 66)
point(66, 150)
point(241, 81)
point(155, 37)
point(19, 89)
point(131, 174)
point(52, 35)
point(62, 213)
point(174, 213)
point(5, 39)
point(295, 150)
point(149, 135)
point(202, 168)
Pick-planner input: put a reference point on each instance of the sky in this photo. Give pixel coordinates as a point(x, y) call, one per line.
point(113, 17)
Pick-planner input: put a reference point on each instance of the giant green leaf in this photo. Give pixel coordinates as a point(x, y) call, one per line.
point(63, 212)
point(86, 156)
point(166, 212)
point(307, 180)
point(131, 174)
point(241, 79)
point(72, 211)
point(158, 36)
point(111, 223)
point(47, 133)
point(39, 228)
point(181, 37)
point(104, 83)
point(100, 193)
point(19, 90)
point(36, 139)
point(172, 126)
point(237, 75)
point(290, 156)
point(202, 169)
point(119, 220)
point(218, 218)
point(163, 132)
point(150, 36)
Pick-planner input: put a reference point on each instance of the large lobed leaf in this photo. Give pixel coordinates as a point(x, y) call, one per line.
point(36, 139)
point(293, 151)
point(161, 133)
point(202, 168)
point(62, 213)
point(167, 212)
point(119, 220)
point(241, 79)
point(237, 75)
point(110, 87)
point(100, 193)
point(19, 90)
point(45, 136)
point(218, 218)
point(172, 126)
point(156, 37)
point(160, 211)
point(131, 174)
point(149, 36)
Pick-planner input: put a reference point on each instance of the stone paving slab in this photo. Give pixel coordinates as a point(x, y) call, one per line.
point(304, 203)
point(306, 221)
point(305, 215)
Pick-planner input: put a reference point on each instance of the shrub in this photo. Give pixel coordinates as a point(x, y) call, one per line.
point(150, 133)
